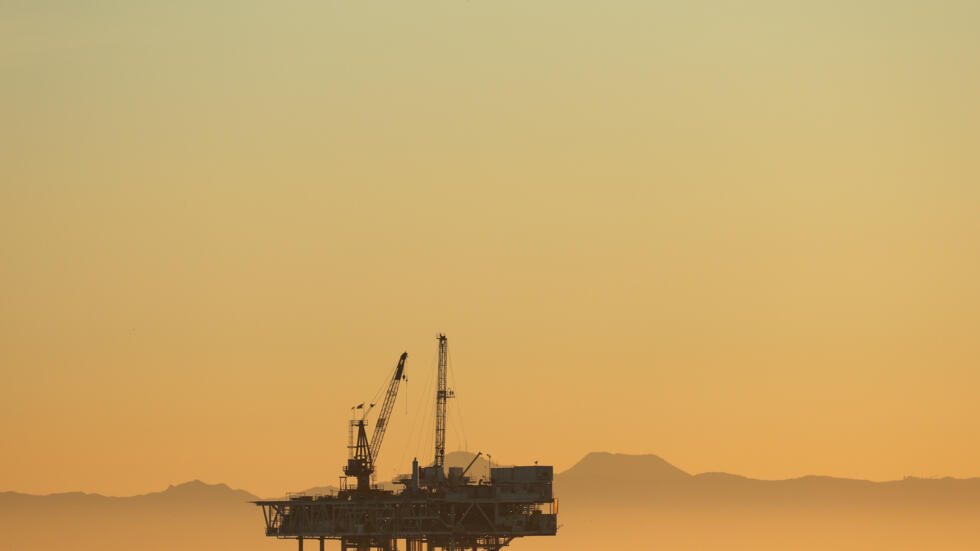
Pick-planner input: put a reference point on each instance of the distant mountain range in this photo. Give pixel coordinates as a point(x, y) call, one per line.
point(194, 491)
point(195, 515)
point(596, 477)
point(649, 480)
point(188, 516)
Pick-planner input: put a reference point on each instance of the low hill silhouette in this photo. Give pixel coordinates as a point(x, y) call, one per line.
point(190, 516)
point(193, 492)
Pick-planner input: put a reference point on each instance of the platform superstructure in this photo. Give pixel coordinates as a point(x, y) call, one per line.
point(435, 507)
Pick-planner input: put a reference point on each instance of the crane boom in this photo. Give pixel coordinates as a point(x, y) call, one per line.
point(389, 404)
point(475, 457)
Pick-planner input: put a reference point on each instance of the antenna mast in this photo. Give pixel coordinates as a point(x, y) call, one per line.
point(442, 394)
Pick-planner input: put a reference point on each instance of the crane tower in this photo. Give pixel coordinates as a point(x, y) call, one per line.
point(363, 454)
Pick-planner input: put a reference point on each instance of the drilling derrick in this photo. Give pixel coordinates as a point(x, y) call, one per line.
point(436, 509)
point(442, 394)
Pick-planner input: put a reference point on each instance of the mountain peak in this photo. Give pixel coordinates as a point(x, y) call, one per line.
point(605, 467)
point(196, 485)
point(197, 489)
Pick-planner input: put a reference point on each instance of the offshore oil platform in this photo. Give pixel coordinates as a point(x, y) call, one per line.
point(436, 508)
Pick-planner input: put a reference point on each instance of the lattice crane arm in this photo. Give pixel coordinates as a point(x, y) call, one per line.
point(386, 408)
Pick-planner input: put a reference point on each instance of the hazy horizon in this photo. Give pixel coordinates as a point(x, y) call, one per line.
point(610, 499)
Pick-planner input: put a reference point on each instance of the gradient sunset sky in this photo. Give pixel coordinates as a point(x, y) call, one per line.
point(744, 236)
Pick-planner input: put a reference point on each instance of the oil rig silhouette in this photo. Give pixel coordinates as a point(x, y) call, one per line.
point(436, 508)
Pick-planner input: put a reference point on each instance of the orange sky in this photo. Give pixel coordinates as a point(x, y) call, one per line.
point(741, 235)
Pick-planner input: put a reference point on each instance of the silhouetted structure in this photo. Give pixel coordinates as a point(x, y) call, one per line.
point(436, 508)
